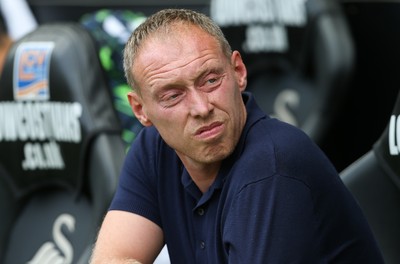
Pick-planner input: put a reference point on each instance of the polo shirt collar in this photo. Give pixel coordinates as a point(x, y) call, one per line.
point(254, 114)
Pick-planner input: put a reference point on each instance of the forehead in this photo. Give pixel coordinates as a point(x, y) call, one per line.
point(176, 39)
point(174, 49)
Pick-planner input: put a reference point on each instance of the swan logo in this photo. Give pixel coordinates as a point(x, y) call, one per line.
point(394, 135)
point(60, 251)
point(285, 101)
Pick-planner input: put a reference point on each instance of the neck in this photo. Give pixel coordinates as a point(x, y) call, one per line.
point(203, 175)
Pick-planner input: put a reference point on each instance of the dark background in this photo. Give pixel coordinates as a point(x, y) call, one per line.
point(375, 28)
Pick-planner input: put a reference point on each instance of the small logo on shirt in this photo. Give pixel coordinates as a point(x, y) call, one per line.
point(31, 71)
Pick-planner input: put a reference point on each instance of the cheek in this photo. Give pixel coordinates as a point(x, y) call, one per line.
point(173, 135)
point(168, 123)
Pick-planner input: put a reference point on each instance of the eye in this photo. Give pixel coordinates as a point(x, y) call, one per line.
point(170, 98)
point(212, 83)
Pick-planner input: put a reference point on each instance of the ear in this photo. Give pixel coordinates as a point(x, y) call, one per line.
point(136, 103)
point(240, 70)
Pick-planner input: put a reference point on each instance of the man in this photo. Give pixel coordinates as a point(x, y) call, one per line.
point(211, 175)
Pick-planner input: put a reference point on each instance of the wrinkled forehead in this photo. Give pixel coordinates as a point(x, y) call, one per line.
point(174, 42)
point(176, 33)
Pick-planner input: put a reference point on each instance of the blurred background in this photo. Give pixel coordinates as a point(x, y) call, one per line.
point(329, 67)
point(368, 90)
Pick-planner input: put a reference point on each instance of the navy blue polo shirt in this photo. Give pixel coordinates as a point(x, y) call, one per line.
point(276, 199)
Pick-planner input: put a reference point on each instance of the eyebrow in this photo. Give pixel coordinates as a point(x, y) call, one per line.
point(213, 70)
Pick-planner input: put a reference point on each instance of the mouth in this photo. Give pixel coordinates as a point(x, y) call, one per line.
point(210, 131)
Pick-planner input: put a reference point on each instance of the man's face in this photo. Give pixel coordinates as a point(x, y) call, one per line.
point(191, 93)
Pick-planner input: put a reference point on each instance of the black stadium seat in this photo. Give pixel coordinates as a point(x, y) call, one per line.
point(299, 56)
point(60, 147)
point(374, 179)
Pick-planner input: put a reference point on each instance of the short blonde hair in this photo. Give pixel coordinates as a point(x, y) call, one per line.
point(165, 20)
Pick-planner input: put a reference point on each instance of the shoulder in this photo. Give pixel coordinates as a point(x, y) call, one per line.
point(147, 144)
point(272, 148)
point(288, 144)
point(139, 180)
point(281, 135)
point(146, 154)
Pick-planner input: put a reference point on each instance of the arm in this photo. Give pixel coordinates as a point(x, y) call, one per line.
point(127, 238)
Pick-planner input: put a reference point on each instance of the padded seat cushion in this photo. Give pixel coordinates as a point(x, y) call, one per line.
point(57, 104)
point(61, 148)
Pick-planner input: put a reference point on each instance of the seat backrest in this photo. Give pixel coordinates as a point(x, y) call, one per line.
point(299, 55)
point(61, 150)
point(374, 179)
point(111, 29)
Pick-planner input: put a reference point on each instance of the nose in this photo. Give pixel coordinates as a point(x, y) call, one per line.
point(199, 104)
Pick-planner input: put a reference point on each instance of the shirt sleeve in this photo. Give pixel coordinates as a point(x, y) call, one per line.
point(272, 221)
point(137, 190)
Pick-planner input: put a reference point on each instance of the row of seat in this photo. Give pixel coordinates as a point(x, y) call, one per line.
point(60, 137)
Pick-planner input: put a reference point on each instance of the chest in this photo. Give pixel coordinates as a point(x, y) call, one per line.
point(193, 222)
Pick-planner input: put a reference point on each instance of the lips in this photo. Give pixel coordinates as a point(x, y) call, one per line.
point(211, 130)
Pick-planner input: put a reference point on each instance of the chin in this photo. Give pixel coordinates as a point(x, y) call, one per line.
point(217, 155)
